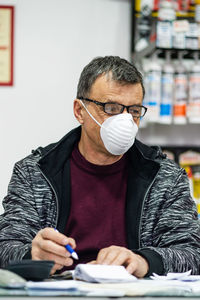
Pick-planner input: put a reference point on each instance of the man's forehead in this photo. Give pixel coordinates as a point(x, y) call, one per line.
point(105, 81)
point(112, 91)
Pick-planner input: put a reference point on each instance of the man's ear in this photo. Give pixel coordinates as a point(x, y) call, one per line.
point(78, 111)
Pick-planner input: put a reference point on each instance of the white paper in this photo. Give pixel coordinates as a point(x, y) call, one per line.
point(69, 287)
point(185, 276)
point(53, 285)
point(102, 273)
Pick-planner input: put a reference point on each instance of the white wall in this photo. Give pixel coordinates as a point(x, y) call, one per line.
point(54, 40)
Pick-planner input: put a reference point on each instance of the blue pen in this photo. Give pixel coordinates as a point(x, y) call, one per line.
point(70, 250)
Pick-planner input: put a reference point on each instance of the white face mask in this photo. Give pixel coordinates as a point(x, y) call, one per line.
point(117, 132)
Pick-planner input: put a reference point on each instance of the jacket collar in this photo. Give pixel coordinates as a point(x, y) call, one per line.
point(54, 156)
point(145, 160)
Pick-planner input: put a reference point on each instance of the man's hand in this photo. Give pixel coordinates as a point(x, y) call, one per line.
point(114, 255)
point(49, 244)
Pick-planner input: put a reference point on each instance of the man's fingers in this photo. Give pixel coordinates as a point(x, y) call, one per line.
point(41, 248)
point(106, 256)
point(113, 255)
point(101, 256)
point(122, 257)
point(55, 268)
point(92, 262)
point(45, 255)
point(49, 246)
point(57, 237)
point(131, 268)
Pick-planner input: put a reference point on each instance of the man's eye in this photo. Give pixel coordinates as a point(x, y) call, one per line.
point(134, 110)
point(112, 108)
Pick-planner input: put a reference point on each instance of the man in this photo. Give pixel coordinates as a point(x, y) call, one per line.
point(111, 198)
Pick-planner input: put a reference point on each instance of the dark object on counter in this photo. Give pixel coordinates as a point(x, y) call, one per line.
point(31, 269)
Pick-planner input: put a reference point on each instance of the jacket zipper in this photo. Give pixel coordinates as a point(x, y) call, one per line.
point(56, 196)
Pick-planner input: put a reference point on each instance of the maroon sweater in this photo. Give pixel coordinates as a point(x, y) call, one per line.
point(97, 214)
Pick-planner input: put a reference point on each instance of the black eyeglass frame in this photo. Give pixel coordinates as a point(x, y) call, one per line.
point(122, 106)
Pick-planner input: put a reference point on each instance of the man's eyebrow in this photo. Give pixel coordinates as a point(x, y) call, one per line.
point(109, 101)
point(117, 102)
point(137, 102)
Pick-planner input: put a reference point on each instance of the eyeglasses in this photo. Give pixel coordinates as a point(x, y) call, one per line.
point(113, 108)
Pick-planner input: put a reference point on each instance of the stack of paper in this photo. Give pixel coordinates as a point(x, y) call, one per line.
point(102, 273)
point(70, 288)
point(61, 287)
point(185, 276)
point(115, 282)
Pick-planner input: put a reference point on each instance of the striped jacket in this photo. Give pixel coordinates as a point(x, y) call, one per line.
point(161, 218)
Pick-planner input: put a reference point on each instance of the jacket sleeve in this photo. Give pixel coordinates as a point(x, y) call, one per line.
point(20, 221)
point(176, 233)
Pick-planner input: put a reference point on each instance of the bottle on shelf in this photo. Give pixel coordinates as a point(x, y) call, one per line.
point(166, 16)
point(197, 11)
point(197, 19)
point(167, 91)
point(193, 107)
point(180, 91)
point(154, 88)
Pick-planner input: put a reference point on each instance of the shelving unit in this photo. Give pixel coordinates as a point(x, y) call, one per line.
point(156, 133)
point(177, 140)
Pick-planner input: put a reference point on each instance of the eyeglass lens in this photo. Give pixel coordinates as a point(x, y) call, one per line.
point(115, 108)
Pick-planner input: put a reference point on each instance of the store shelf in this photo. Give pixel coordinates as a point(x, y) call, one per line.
point(170, 135)
point(188, 53)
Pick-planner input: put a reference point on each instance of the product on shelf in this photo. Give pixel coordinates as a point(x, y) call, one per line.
point(197, 11)
point(196, 186)
point(154, 89)
point(172, 91)
point(167, 90)
point(180, 29)
point(192, 36)
point(193, 107)
point(180, 91)
point(166, 16)
point(188, 169)
point(190, 161)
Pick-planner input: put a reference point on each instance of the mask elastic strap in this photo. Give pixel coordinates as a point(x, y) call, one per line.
point(90, 113)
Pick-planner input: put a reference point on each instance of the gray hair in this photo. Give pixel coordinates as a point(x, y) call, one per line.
point(120, 69)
